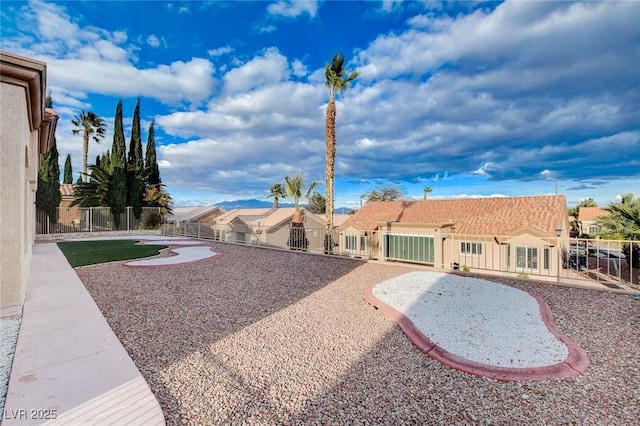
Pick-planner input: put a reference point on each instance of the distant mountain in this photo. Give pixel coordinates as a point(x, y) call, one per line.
point(259, 204)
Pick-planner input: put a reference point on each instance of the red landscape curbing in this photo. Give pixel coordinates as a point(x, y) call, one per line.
point(576, 363)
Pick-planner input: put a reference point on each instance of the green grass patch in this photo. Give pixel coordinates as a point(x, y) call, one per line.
point(82, 253)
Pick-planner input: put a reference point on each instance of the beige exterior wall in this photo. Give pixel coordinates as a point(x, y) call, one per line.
point(19, 175)
point(26, 130)
point(480, 252)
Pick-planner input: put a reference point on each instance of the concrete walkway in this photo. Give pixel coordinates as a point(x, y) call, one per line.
point(69, 367)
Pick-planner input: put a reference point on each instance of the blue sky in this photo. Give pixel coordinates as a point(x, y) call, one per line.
point(469, 98)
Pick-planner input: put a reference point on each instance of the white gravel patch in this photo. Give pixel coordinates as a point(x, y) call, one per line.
point(184, 255)
point(9, 329)
point(158, 239)
point(172, 242)
point(475, 319)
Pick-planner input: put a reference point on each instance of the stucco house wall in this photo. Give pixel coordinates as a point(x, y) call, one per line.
point(520, 233)
point(26, 131)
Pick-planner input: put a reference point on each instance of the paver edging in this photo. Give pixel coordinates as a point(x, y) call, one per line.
point(576, 363)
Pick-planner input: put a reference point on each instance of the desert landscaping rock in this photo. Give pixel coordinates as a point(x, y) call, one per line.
point(256, 336)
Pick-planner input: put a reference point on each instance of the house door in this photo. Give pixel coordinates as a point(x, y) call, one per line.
point(410, 248)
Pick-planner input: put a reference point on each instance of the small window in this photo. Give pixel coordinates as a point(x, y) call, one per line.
point(526, 257)
point(547, 258)
point(362, 243)
point(472, 248)
point(350, 242)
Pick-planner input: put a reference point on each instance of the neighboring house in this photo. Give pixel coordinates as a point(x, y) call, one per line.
point(201, 214)
point(233, 226)
point(268, 227)
point(516, 234)
point(195, 221)
point(587, 219)
point(27, 130)
point(339, 219)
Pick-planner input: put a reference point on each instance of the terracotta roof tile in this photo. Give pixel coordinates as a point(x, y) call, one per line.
point(186, 214)
point(66, 189)
point(590, 213)
point(472, 216)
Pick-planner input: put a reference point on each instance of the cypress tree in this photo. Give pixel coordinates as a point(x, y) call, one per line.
point(98, 161)
point(68, 172)
point(48, 194)
point(105, 161)
point(135, 166)
point(152, 172)
point(118, 186)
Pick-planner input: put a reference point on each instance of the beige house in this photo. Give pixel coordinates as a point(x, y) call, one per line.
point(587, 219)
point(201, 214)
point(26, 131)
point(510, 234)
point(269, 227)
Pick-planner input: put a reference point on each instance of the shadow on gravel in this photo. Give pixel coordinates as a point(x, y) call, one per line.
point(256, 336)
point(164, 315)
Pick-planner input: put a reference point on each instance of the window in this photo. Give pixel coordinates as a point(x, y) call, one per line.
point(593, 229)
point(411, 248)
point(472, 248)
point(350, 242)
point(362, 243)
point(546, 258)
point(526, 257)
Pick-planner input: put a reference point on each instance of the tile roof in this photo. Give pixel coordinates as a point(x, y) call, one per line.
point(590, 213)
point(471, 216)
point(246, 214)
point(339, 219)
point(186, 214)
point(66, 189)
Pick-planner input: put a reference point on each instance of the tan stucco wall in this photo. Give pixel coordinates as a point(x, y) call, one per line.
point(18, 177)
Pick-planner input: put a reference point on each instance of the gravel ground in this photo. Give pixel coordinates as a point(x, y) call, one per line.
point(9, 329)
point(255, 336)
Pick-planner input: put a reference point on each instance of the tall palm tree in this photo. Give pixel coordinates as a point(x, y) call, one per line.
point(427, 191)
point(336, 80)
point(89, 124)
point(276, 192)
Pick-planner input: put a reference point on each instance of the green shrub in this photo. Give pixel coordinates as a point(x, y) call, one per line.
point(523, 276)
point(153, 221)
point(465, 268)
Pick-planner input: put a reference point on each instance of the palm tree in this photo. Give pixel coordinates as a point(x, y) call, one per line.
point(295, 188)
point(276, 192)
point(623, 221)
point(95, 191)
point(89, 124)
point(336, 81)
point(427, 190)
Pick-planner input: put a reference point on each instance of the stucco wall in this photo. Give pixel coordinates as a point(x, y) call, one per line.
point(18, 174)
